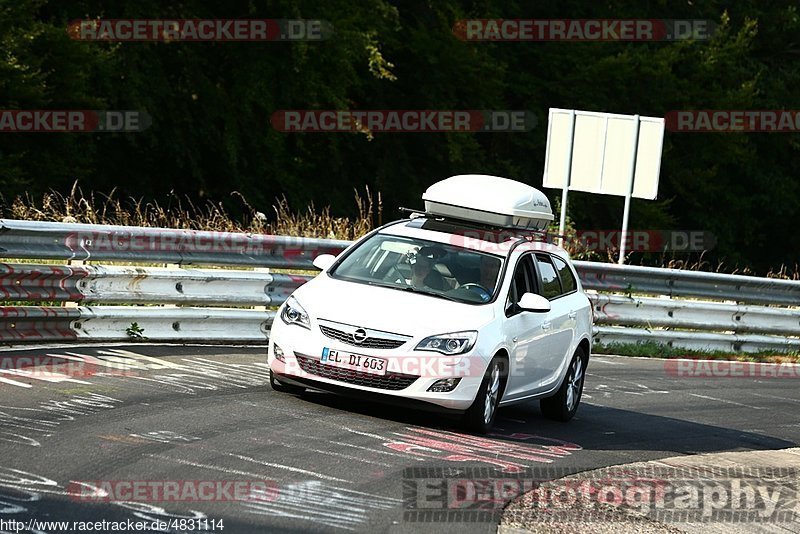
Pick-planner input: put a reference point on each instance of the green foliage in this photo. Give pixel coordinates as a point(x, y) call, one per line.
point(211, 105)
point(135, 332)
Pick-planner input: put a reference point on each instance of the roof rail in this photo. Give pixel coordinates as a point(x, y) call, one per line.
point(527, 234)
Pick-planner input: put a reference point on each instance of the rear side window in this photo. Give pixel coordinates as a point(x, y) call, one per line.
point(568, 282)
point(551, 288)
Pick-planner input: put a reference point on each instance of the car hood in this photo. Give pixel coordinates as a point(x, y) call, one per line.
point(386, 309)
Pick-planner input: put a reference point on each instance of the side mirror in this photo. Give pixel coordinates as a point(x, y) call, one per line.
point(323, 261)
point(534, 303)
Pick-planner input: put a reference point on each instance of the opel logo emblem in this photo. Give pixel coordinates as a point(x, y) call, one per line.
point(359, 335)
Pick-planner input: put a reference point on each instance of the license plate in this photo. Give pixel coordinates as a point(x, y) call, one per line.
point(354, 362)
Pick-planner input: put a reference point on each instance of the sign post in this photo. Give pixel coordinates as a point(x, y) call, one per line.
point(562, 222)
point(603, 153)
point(626, 212)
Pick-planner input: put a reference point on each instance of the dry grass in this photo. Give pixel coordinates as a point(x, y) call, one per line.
point(93, 208)
point(701, 264)
point(180, 212)
point(785, 273)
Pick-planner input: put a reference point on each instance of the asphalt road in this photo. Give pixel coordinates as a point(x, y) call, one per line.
point(159, 414)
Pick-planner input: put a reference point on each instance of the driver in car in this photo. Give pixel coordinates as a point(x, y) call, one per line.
point(490, 267)
point(422, 272)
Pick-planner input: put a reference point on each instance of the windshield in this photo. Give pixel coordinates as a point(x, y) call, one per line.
point(411, 264)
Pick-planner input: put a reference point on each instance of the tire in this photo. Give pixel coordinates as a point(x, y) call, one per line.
point(284, 388)
point(481, 415)
point(563, 405)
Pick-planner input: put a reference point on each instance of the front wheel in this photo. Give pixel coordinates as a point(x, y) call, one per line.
point(563, 405)
point(284, 388)
point(481, 415)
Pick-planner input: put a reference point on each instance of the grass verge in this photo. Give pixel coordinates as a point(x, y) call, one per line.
point(658, 350)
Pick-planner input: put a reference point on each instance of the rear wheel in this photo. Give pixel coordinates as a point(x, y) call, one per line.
point(284, 388)
point(563, 405)
point(481, 415)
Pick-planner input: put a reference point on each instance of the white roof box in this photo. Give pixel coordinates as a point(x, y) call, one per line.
point(489, 200)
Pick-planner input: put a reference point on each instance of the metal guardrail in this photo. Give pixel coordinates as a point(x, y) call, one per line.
point(145, 285)
point(120, 323)
point(67, 241)
point(632, 304)
point(693, 314)
point(679, 283)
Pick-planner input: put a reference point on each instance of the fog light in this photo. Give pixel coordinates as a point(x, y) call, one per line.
point(444, 385)
point(278, 352)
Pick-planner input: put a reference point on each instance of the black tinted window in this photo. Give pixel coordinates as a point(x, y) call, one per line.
point(550, 286)
point(522, 283)
point(567, 278)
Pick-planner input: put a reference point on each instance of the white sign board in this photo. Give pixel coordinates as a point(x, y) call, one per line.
point(601, 145)
point(603, 153)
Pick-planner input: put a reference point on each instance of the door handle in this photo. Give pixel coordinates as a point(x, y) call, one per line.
point(572, 314)
point(514, 339)
point(546, 326)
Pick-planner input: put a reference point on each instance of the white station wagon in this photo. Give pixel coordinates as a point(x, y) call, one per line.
point(462, 308)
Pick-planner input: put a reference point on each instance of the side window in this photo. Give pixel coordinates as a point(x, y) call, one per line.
point(523, 282)
point(551, 288)
point(565, 273)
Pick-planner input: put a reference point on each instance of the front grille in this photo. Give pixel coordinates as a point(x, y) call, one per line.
point(368, 343)
point(392, 381)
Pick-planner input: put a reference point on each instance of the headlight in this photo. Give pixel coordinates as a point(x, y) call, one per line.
point(453, 343)
point(293, 313)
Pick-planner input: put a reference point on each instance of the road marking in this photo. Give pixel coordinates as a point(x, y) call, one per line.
point(646, 388)
point(598, 360)
point(288, 468)
point(332, 453)
point(376, 436)
point(155, 363)
point(342, 443)
point(44, 376)
point(206, 466)
point(319, 504)
point(774, 397)
point(727, 401)
point(510, 456)
point(13, 382)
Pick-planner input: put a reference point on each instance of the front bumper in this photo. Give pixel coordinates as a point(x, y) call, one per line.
point(410, 374)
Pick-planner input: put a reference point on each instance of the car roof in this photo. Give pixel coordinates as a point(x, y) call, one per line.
point(492, 241)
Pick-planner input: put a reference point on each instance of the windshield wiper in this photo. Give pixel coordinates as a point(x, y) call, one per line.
point(431, 293)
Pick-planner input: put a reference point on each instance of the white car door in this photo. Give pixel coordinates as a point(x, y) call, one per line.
point(562, 319)
point(529, 334)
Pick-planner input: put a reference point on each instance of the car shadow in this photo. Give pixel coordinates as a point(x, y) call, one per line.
point(594, 427)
